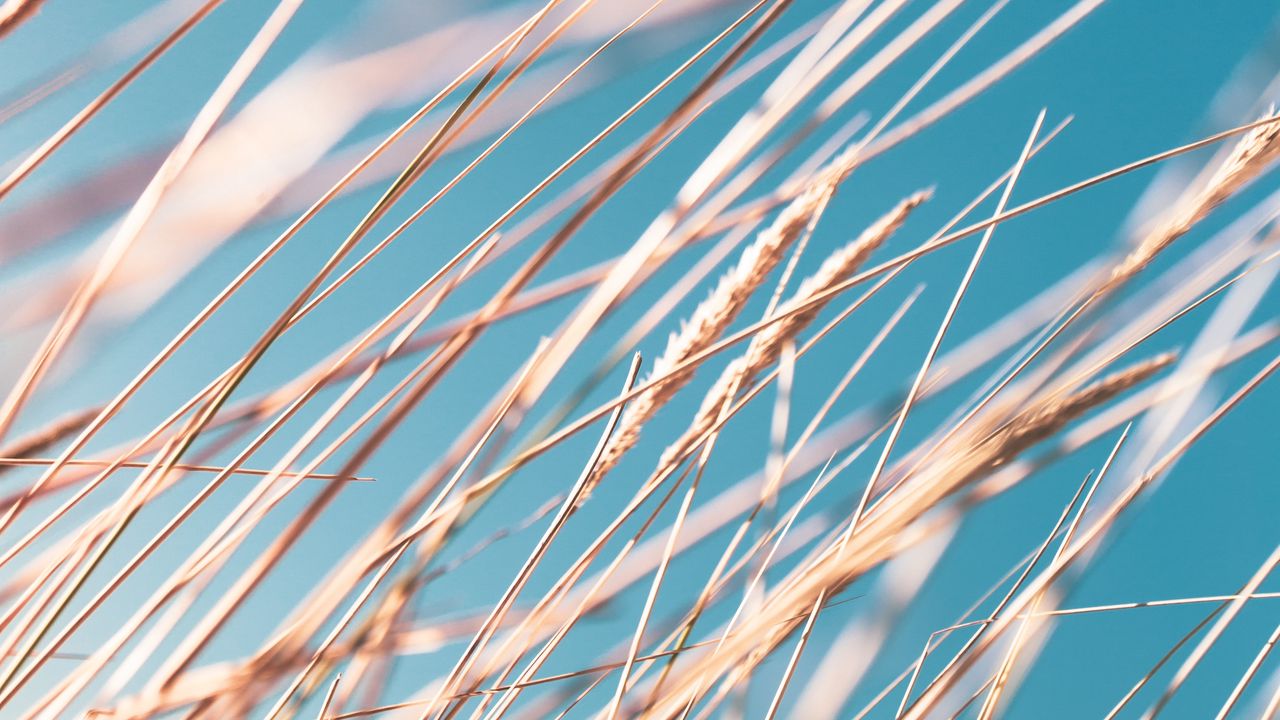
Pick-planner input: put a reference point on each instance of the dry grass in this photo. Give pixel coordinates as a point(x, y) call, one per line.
point(15, 12)
point(632, 578)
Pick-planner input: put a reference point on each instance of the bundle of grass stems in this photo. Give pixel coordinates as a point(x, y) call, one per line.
point(680, 427)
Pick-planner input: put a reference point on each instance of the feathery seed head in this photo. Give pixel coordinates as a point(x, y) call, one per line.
point(714, 314)
point(1248, 159)
point(765, 346)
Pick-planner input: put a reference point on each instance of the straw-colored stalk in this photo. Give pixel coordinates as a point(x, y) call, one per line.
point(716, 313)
point(765, 346)
point(15, 12)
point(1252, 154)
point(894, 526)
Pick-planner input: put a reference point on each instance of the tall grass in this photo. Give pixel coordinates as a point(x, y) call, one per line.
point(378, 451)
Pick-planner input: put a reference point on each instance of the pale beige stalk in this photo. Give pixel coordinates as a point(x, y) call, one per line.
point(1252, 154)
point(41, 439)
point(15, 12)
point(766, 345)
point(893, 526)
point(714, 314)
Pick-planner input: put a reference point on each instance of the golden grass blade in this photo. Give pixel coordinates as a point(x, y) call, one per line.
point(1004, 601)
point(223, 391)
point(1006, 665)
point(1273, 706)
point(37, 462)
point(1107, 517)
point(517, 584)
point(140, 214)
point(906, 407)
point(716, 313)
point(1249, 672)
point(942, 329)
point(274, 247)
point(1219, 626)
point(881, 269)
point(201, 126)
point(50, 434)
point(224, 537)
point(328, 697)
point(49, 146)
point(15, 12)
